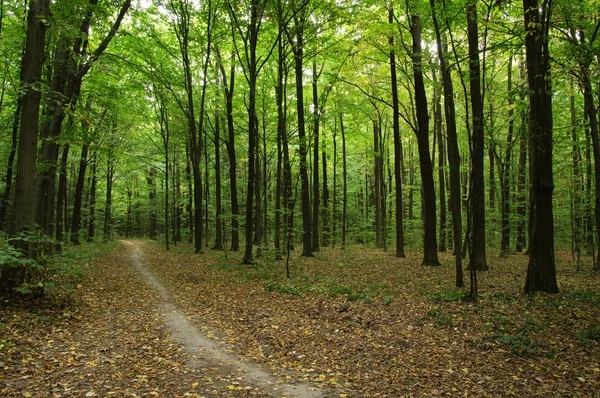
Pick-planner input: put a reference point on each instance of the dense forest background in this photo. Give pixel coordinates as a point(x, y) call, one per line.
point(267, 126)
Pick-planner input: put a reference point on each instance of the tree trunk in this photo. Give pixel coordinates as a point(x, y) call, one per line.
point(21, 215)
point(345, 183)
point(429, 209)
point(4, 202)
point(541, 271)
point(61, 200)
point(252, 126)
point(298, 48)
point(591, 113)
point(478, 261)
point(108, 205)
point(377, 183)
point(219, 211)
point(437, 131)
point(505, 167)
point(316, 198)
point(398, 154)
point(92, 217)
point(521, 198)
point(228, 88)
point(78, 199)
point(325, 210)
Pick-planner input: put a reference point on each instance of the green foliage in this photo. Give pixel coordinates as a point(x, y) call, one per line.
point(387, 300)
point(441, 318)
point(591, 334)
point(288, 289)
point(50, 274)
point(447, 296)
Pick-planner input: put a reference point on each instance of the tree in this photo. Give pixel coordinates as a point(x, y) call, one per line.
point(477, 256)
point(422, 130)
point(22, 215)
point(541, 270)
point(397, 144)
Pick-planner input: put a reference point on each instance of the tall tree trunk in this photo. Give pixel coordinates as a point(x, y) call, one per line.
point(21, 215)
point(541, 271)
point(182, 26)
point(298, 48)
point(219, 211)
point(316, 124)
point(591, 113)
point(92, 206)
point(335, 187)
point(325, 209)
point(377, 183)
point(429, 209)
point(252, 125)
point(398, 154)
point(78, 197)
point(345, 183)
point(228, 88)
point(4, 202)
point(477, 257)
point(61, 200)
point(505, 166)
point(110, 169)
point(521, 210)
point(437, 131)
point(577, 186)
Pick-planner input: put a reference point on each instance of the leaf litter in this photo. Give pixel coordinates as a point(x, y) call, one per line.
point(356, 322)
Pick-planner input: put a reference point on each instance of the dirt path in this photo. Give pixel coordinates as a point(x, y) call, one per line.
point(204, 352)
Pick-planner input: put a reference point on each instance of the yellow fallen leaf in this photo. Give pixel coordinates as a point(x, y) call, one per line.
point(195, 384)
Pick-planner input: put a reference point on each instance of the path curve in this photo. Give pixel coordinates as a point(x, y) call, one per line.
point(203, 350)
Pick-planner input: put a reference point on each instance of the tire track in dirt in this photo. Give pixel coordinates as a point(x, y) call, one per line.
point(204, 351)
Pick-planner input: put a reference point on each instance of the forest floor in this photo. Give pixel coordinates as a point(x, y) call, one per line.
point(348, 323)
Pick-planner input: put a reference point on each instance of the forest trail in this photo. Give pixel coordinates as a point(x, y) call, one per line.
point(204, 351)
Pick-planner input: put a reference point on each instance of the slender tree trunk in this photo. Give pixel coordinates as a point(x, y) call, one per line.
point(4, 202)
point(591, 114)
point(92, 206)
point(577, 182)
point(505, 167)
point(219, 211)
point(377, 183)
point(61, 200)
point(228, 88)
point(335, 188)
point(429, 209)
point(521, 209)
point(325, 216)
point(108, 204)
point(541, 271)
point(78, 197)
point(252, 126)
point(345, 184)
point(437, 131)
point(316, 124)
point(298, 47)
point(477, 257)
point(398, 154)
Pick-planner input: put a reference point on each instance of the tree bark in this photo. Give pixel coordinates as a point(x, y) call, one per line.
point(21, 216)
point(478, 261)
point(228, 88)
point(397, 144)
point(429, 209)
point(541, 270)
point(298, 48)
